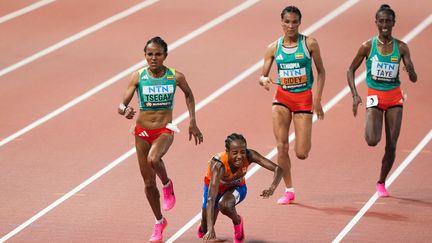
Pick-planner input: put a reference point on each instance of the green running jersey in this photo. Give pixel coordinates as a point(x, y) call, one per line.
point(156, 93)
point(294, 69)
point(382, 71)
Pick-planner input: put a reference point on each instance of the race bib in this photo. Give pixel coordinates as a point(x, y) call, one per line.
point(293, 78)
point(371, 101)
point(384, 71)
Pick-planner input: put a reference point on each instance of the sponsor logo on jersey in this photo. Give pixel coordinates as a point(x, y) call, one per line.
point(279, 57)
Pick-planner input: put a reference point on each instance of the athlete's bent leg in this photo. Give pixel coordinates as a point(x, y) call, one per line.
point(303, 132)
point(373, 127)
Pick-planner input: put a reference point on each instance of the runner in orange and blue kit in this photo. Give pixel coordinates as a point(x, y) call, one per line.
point(154, 133)
point(293, 54)
point(225, 185)
point(383, 55)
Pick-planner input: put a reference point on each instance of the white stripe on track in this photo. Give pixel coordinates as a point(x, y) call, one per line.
point(128, 71)
point(176, 121)
point(411, 35)
point(333, 14)
point(25, 10)
point(78, 36)
point(326, 108)
point(181, 118)
point(391, 179)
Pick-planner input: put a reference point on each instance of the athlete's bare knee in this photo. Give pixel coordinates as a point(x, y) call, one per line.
point(153, 160)
point(283, 147)
point(302, 155)
point(226, 208)
point(372, 140)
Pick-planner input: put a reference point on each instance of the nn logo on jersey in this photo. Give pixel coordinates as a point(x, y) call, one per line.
point(299, 56)
point(394, 59)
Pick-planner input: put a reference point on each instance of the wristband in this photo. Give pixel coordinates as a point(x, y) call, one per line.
point(122, 107)
point(264, 79)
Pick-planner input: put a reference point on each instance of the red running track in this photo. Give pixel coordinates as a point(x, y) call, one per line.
point(332, 184)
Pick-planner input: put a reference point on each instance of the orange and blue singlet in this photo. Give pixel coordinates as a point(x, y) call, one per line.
point(228, 181)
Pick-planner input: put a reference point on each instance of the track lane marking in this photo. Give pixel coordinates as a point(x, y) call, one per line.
point(333, 14)
point(360, 78)
point(128, 71)
point(391, 179)
point(132, 151)
point(25, 10)
point(407, 38)
point(176, 121)
point(77, 36)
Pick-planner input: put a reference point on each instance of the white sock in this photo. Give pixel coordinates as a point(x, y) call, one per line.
point(291, 189)
point(169, 181)
point(160, 221)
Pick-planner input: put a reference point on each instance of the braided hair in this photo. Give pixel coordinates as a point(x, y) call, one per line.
point(159, 41)
point(385, 8)
point(233, 137)
point(291, 9)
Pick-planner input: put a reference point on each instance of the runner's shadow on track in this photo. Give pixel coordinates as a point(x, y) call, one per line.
point(416, 202)
point(353, 211)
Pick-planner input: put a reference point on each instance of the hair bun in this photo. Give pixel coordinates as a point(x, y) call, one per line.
point(384, 6)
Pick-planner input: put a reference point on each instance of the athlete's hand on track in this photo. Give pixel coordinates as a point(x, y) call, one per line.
point(356, 102)
point(268, 192)
point(210, 236)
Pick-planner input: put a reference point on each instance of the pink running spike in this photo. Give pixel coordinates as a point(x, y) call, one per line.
point(169, 197)
point(287, 198)
point(382, 192)
point(239, 232)
point(157, 231)
point(200, 234)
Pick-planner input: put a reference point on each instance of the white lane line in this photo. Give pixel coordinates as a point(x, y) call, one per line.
point(78, 36)
point(25, 10)
point(391, 179)
point(333, 14)
point(128, 71)
point(176, 121)
point(407, 38)
point(326, 108)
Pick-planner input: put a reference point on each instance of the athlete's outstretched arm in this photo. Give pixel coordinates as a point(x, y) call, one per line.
point(362, 53)
point(265, 80)
point(217, 170)
point(316, 56)
point(269, 165)
point(190, 102)
point(406, 58)
point(124, 108)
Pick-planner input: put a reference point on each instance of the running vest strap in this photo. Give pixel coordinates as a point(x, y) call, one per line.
point(383, 70)
point(294, 69)
point(156, 93)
